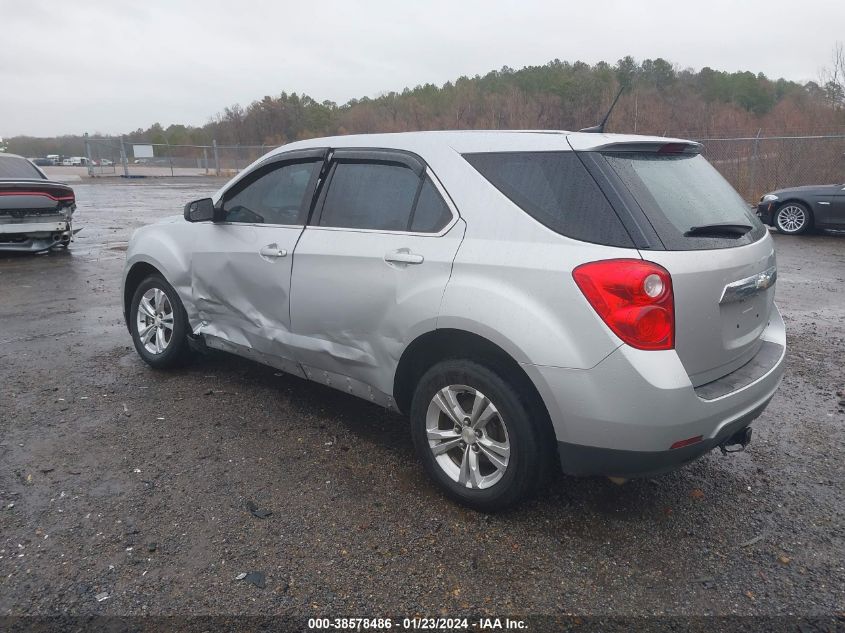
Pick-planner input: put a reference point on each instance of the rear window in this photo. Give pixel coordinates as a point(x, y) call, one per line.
point(556, 190)
point(680, 192)
point(16, 167)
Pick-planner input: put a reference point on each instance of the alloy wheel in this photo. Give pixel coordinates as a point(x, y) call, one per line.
point(155, 321)
point(791, 218)
point(467, 436)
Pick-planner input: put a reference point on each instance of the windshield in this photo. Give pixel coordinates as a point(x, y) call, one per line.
point(682, 192)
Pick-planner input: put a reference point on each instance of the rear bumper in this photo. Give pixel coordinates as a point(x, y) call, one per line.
point(592, 460)
point(33, 237)
point(622, 416)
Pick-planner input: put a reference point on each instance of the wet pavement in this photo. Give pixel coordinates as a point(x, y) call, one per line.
point(125, 490)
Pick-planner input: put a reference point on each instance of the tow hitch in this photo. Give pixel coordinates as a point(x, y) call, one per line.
point(737, 442)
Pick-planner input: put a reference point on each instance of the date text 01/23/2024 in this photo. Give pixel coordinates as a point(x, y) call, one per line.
point(422, 624)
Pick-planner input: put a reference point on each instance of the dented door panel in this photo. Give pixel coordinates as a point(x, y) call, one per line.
point(354, 309)
point(240, 283)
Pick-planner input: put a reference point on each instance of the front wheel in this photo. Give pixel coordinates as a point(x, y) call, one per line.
point(793, 218)
point(158, 323)
point(476, 436)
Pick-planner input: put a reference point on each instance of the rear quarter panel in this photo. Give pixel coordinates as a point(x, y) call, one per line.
point(512, 280)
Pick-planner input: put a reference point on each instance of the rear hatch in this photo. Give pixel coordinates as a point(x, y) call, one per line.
point(720, 256)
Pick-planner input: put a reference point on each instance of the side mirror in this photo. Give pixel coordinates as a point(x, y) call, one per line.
point(200, 210)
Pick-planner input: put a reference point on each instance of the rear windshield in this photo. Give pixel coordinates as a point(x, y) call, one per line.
point(556, 190)
point(16, 167)
point(681, 192)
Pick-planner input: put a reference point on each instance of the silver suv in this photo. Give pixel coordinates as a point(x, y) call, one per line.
point(525, 297)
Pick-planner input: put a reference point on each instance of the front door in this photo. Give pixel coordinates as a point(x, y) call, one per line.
point(370, 269)
point(241, 266)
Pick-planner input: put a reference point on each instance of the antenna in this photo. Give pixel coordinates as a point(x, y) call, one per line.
point(599, 129)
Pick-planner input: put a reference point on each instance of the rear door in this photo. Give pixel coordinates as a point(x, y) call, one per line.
point(370, 269)
point(241, 266)
point(720, 256)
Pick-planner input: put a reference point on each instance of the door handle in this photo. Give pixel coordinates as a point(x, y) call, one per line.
point(272, 250)
point(404, 256)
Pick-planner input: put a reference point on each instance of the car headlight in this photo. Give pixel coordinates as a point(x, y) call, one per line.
point(769, 197)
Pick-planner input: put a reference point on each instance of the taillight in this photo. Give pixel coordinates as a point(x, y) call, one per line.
point(58, 196)
point(634, 298)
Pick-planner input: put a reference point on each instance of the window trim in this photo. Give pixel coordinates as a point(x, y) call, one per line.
point(630, 213)
point(380, 155)
point(383, 156)
point(315, 155)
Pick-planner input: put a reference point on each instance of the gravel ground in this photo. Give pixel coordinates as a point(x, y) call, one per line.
point(122, 481)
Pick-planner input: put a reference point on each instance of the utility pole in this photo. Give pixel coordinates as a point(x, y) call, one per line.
point(88, 156)
point(169, 156)
point(755, 158)
point(216, 157)
point(123, 160)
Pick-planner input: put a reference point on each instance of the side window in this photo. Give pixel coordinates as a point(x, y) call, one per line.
point(277, 195)
point(556, 190)
point(382, 196)
point(370, 196)
point(431, 213)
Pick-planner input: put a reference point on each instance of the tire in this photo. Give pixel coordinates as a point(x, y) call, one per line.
point(162, 347)
point(793, 218)
point(508, 425)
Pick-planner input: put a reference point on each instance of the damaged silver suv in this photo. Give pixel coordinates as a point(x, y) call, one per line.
point(597, 300)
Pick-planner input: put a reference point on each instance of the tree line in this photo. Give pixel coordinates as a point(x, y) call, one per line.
point(660, 98)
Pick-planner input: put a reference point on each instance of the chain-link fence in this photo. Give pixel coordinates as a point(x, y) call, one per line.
point(757, 165)
point(753, 165)
point(138, 159)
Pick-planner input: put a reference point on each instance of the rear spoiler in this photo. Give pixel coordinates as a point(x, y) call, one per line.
point(656, 147)
point(26, 183)
point(632, 143)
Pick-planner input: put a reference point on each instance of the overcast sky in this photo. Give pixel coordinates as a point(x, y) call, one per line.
point(113, 66)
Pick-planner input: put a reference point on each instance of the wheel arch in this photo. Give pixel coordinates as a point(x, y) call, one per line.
point(134, 276)
point(447, 343)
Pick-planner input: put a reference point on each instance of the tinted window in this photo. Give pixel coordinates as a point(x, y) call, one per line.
point(555, 189)
point(370, 196)
point(278, 195)
point(679, 192)
point(431, 213)
point(15, 167)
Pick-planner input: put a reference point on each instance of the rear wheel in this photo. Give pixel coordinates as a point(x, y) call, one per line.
point(475, 435)
point(793, 218)
point(158, 323)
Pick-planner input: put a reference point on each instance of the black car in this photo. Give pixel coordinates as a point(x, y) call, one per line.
point(35, 212)
point(798, 209)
